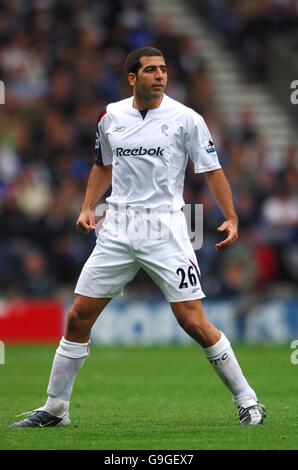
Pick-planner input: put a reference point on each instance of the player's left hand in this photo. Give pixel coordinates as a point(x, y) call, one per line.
point(231, 227)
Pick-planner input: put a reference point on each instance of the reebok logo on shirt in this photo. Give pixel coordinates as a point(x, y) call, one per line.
point(121, 152)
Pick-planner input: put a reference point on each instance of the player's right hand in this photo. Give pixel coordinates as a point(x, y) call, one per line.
point(86, 221)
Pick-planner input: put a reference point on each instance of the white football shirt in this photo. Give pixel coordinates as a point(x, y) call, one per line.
point(149, 151)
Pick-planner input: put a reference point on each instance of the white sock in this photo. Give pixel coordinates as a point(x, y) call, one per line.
point(223, 359)
point(68, 360)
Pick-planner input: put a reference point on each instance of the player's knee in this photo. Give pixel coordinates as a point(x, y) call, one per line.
point(192, 321)
point(193, 326)
point(76, 323)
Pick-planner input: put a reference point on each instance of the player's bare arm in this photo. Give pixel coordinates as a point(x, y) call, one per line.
point(222, 193)
point(98, 183)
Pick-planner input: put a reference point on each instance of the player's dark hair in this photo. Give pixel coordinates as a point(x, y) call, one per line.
point(132, 63)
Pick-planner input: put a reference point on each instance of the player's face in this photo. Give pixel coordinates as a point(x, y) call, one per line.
point(151, 79)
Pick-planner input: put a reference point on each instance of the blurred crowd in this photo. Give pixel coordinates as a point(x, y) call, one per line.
point(250, 25)
point(61, 62)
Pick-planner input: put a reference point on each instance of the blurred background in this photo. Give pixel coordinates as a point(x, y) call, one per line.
point(233, 62)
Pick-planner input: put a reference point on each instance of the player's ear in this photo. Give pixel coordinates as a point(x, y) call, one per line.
point(131, 77)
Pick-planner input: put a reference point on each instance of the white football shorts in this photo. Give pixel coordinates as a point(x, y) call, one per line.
point(134, 238)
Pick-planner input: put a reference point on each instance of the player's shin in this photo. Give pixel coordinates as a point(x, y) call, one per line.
point(223, 359)
point(68, 360)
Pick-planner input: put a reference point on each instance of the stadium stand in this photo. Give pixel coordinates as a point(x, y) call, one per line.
point(61, 62)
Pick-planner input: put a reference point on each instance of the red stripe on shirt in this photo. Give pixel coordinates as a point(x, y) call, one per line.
point(102, 115)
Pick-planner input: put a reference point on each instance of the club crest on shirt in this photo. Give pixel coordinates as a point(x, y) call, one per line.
point(164, 129)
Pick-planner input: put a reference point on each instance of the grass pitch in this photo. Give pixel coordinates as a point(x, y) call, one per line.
point(151, 398)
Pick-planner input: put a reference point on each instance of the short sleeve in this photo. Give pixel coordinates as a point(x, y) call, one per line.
point(104, 154)
point(200, 145)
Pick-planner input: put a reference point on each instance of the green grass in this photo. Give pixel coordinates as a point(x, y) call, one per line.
point(151, 398)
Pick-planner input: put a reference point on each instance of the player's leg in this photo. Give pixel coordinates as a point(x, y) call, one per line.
point(191, 317)
point(69, 359)
point(81, 317)
point(72, 352)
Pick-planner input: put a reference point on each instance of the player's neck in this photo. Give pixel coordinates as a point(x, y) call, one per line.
point(143, 104)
